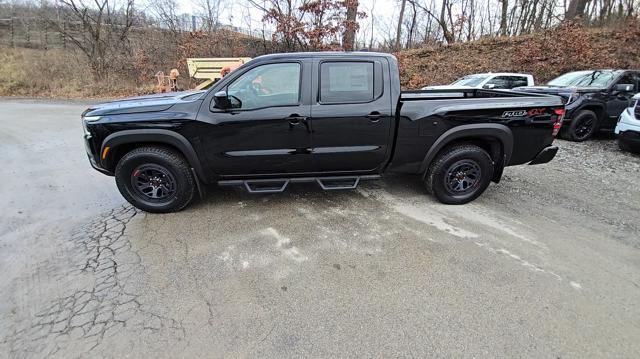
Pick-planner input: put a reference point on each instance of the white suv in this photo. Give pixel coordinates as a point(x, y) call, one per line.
point(628, 127)
point(498, 80)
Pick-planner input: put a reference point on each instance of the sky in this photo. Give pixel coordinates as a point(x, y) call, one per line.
point(384, 11)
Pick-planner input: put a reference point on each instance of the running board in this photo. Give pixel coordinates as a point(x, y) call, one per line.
point(277, 185)
point(333, 183)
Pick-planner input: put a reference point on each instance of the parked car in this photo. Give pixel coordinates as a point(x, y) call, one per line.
point(330, 118)
point(594, 99)
point(628, 127)
point(500, 80)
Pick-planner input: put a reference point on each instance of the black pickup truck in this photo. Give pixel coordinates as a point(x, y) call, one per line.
point(330, 118)
point(594, 99)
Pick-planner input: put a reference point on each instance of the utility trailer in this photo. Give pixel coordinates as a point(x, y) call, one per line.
point(210, 70)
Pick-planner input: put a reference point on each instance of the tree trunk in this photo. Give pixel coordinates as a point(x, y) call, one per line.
point(576, 9)
point(448, 34)
point(413, 25)
point(399, 32)
point(351, 25)
point(503, 18)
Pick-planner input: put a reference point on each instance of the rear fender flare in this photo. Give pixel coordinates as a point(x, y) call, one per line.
point(500, 132)
point(156, 136)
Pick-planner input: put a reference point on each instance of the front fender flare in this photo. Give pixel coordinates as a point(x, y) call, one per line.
point(156, 136)
point(474, 131)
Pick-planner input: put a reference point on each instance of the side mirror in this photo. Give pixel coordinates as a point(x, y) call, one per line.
point(623, 88)
point(221, 100)
point(489, 86)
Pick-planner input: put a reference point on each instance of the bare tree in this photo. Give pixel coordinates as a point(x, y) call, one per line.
point(575, 9)
point(166, 12)
point(351, 25)
point(104, 29)
point(209, 11)
point(503, 17)
point(400, 18)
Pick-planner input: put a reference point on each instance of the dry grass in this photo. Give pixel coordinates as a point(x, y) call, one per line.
point(58, 73)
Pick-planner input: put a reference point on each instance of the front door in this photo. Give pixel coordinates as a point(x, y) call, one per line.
point(267, 131)
point(618, 101)
point(351, 115)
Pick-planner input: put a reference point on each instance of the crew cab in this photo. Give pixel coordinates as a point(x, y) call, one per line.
point(489, 80)
point(594, 99)
point(330, 118)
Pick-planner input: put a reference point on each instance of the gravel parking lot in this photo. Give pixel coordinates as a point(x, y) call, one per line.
point(544, 264)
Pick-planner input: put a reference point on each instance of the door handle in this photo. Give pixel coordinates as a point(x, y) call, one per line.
point(295, 119)
point(374, 116)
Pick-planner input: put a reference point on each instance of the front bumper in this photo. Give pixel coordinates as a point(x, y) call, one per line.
point(627, 122)
point(628, 130)
point(92, 159)
point(631, 140)
point(544, 156)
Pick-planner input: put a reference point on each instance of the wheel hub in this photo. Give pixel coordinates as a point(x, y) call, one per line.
point(153, 182)
point(463, 176)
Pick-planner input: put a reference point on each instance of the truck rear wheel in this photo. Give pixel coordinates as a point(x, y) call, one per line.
point(155, 179)
point(459, 174)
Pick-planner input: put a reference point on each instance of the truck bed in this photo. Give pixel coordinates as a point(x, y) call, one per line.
point(426, 116)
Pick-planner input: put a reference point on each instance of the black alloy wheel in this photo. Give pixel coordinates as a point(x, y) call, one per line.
point(463, 176)
point(155, 179)
point(153, 182)
point(583, 126)
point(459, 174)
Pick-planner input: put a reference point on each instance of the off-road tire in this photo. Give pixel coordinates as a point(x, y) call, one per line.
point(627, 147)
point(450, 159)
point(576, 131)
point(165, 159)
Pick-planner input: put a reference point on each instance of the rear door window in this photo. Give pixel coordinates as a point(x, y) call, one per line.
point(349, 82)
point(499, 82)
point(517, 81)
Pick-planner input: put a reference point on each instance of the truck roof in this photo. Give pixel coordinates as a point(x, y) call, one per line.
point(499, 74)
point(323, 54)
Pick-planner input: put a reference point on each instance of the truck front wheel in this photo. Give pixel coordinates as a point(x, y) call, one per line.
point(155, 179)
point(582, 127)
point(459, 174)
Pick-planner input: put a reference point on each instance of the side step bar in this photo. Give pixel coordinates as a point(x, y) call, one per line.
point(277, 185)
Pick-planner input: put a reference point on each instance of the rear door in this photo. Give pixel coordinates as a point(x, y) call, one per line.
point(351, 114)
point(267, 131)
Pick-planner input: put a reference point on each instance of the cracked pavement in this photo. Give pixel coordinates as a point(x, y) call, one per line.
point(545, 264)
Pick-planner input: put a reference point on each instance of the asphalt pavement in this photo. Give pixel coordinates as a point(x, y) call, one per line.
point(546, 264)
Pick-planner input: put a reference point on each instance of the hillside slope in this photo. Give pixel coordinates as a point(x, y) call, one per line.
point(545, 55)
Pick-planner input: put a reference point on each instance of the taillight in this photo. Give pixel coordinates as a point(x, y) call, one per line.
point(556, 125)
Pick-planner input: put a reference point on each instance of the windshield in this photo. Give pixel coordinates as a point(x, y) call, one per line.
point(469, 81)
point(599, 79)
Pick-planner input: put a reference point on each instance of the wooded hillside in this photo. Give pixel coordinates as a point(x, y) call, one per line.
point(547, 54)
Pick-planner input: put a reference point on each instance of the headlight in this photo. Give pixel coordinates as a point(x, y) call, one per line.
point(90, 119)
point(572, 98)
point(85, 121)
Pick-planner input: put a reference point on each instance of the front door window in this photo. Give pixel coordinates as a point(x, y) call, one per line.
point(270, 85)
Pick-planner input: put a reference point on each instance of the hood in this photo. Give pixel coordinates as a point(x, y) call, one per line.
point(554, 90)
point(147, 103)
point(446, 87)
